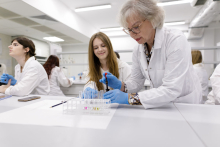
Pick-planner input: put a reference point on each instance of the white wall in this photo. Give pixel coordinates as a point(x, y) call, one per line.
point(4, 56)
point(73, 70)
point(42, 48)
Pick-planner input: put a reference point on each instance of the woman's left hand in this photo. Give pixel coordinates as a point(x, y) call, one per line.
point(117, 96)
point(4, 87)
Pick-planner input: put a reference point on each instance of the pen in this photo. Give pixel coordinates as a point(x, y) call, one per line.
point(106, 82)
point(58, 104)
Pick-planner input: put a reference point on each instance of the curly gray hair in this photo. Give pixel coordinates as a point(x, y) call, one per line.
point(144, 9)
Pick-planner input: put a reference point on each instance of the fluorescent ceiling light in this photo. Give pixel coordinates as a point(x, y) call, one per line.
point(92, 8)
point(53, 39)
point(174, 23)
point(111, 29)
point(174, 2)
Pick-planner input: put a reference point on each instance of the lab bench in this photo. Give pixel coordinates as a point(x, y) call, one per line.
point(172, 125)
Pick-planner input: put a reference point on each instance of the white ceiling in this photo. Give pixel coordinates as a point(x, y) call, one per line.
point(97, 19)
point(108, 17)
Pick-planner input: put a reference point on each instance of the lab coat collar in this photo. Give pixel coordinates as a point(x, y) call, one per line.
point(26, 64)
point(198, 65)
point(158, 39)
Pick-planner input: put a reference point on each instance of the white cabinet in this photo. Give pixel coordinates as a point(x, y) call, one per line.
point(74, 89)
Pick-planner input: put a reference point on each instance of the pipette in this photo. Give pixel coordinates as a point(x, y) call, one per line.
point(106, 82)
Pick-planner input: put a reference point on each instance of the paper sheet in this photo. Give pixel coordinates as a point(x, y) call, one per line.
point(40, 113)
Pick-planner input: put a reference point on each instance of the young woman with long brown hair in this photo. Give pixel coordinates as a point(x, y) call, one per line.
point(56, 76)
point(103, 59)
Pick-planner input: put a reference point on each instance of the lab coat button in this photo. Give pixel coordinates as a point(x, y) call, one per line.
point(145, 69)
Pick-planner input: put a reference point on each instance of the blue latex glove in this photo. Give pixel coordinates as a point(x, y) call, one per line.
point(113, 81)
point(5, 77)
point(73, 77)
point(80, 74)
point(13, 80)
point(89, 93)
point(117, 96)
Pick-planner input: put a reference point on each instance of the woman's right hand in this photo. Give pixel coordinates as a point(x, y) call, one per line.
point(89, 93)
point(5, 77)
point(113, 81)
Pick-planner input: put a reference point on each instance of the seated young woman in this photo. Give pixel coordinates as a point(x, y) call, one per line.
point(102, 59)
point(30, 76)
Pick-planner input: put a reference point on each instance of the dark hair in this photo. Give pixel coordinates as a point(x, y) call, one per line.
point(51, 62)
point(118, 56)
point(26, 43)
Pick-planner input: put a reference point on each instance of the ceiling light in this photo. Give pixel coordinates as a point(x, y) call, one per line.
point(53, 39)
point(174, 2)
point(92, 8)
point(174, 23)
point(111, 29)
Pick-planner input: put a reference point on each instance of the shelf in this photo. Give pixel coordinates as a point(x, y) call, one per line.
point(70, 64)
point(206, 48)
point(61, 53)
point(131, 50)
point(211, 62)
point(41, 60)
point(40, 57)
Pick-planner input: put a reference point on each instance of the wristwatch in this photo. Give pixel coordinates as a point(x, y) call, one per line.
point(134, 99)
point(126, 89)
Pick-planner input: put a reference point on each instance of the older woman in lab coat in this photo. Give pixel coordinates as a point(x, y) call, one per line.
point(214, 95)
point(56, 76)
point(30, 76)
point(163, 56)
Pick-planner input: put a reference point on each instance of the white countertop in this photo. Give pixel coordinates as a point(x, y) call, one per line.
point(178, 125)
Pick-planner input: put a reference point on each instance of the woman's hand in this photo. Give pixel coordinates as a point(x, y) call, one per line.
point(5, 77)
point(117, 96)
point(4, 87)
point(89, 93)
point(113, 81)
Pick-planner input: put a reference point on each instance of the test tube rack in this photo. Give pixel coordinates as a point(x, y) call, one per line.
point(87, 106)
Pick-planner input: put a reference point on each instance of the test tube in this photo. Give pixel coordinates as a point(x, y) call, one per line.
point(101, 94)
point(80, 94)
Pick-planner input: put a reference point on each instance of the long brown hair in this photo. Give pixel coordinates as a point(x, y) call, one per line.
point(94, 63)
point(51, 62)
point(196, 56)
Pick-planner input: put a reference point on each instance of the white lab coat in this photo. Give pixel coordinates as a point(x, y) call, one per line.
point(56, 78)
point(32, 80)
point(215, 93)
point(124, 75)
point(170, 71)
point(203, 78)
